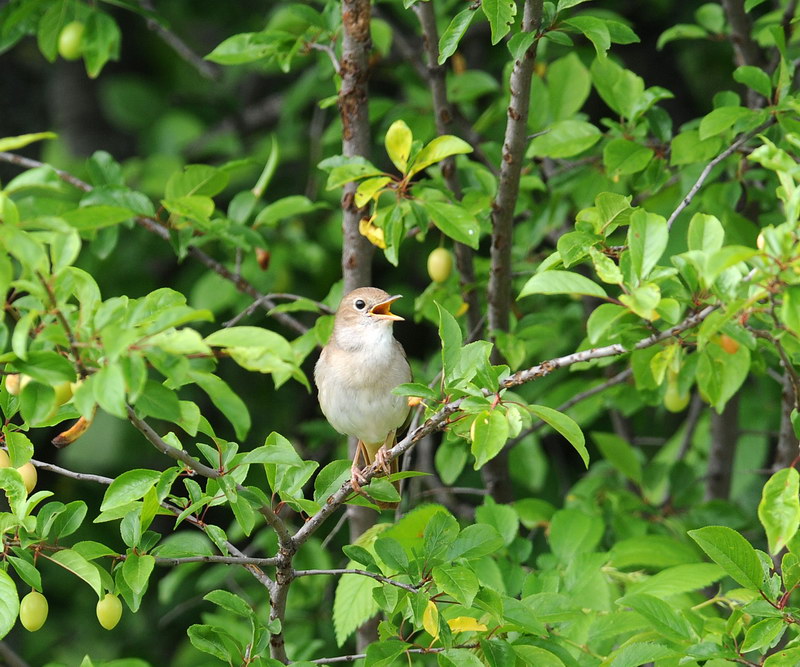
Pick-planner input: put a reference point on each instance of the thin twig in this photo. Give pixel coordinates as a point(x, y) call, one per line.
point(359, 656)
point(323, 308)
point(205, 68)
point(326, 48)
point(363, 573)
point(736, 145)
point(223, 560)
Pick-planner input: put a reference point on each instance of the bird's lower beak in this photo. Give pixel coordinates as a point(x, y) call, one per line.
point(383, 309)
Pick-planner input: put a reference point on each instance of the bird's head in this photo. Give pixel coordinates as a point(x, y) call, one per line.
point(367, 307)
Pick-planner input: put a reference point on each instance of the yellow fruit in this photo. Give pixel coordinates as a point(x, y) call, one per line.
point(5, 462)
point(70, 41)
point(109, 611)
point(16, 382)
point(674, 400)
point(760, 242)
point(29, 476)
point(440, 265)
point(33, 611)
point(63, 392)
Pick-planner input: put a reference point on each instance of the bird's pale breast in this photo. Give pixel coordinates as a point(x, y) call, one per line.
point(355, 390)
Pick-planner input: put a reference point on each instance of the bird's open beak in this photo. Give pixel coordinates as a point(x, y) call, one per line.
point(383, 309)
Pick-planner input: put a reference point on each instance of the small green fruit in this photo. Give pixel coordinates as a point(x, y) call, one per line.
point(109, 611)
point(5, 461)
point(70, 41)
point(33, 611)
point(674, 400)
point(63, 392)
point(440, 265)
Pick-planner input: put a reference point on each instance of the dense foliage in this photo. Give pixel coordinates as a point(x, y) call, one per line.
point(592, 211)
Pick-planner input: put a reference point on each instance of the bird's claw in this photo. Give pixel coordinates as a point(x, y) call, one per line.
point(383, 461)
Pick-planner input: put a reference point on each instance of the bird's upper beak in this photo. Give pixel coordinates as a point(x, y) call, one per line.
point(383, 309)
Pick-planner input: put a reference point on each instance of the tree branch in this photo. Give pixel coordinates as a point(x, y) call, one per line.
point(736, 145)
point(205, 68)
point(224, 560)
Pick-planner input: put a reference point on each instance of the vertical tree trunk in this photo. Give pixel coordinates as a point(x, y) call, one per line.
point(356, 250)
point(495, 472)
point(787, 449)
point(724, 434)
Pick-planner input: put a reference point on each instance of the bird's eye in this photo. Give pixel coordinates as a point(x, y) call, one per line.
point(360, 304)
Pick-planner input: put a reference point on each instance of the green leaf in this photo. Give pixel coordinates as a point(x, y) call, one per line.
point(732, 553)
point(622, 158)
point(108, 386)
point(569, 85)
point(384, 653)
point(594, 29)
point(89, 218)
point(639, 653)
point(448, 42)
point(22, 140)
point(391, 553)
point(454, 221)
point(720, 374)
point(785, 657)
point(647, 240)
point(721, 119)
point(475, 541)
point(230, 602)
point(398, 144)
point(9, 603)
point(643, 301)
point(458, 657)
point(73, 562)
point(287, 207)
point(351, 171)
point(620, 455)
point(437, 150)
point(458, 582)
point(564, 425)
point(763, 635)
point(226, 401)
point(605, 267)
point(663, 618)
point(136, 571)
point(101, 41)
point(352, 604)
point(196, 179)
point(489, 433)
point(440, 532)
point(330, 479)
point(561, 282)
point(779, 509)
point(705, 233)
point(130, 485)
point(210, 639)
point(573, 532)
point(564, 138)
point(755, 78)
point(501, 15)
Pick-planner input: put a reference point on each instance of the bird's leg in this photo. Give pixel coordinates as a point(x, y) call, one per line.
point(382, 455)
point(356, 475)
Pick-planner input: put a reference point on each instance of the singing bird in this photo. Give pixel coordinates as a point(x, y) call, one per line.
point(355, 375)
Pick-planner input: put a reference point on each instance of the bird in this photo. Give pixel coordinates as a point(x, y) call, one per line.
point(355, 375)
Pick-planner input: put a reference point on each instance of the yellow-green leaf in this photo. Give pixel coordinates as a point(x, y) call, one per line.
point(398, 144)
